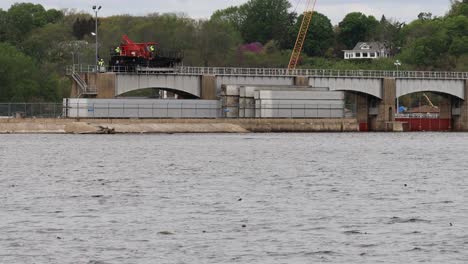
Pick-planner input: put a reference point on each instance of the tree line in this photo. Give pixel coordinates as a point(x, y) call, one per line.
point(36, 44)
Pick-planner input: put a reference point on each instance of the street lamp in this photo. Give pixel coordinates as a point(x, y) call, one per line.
point(397, 64)
point(96, 10)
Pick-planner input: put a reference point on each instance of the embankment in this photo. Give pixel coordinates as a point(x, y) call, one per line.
point(142, 126)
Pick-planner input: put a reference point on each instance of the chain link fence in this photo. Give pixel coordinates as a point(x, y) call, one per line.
point(31, 110)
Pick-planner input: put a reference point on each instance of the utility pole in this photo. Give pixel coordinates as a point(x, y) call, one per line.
point(96, 10)
point(397, 64)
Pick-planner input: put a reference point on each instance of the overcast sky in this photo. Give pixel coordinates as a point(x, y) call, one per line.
point(403, 10)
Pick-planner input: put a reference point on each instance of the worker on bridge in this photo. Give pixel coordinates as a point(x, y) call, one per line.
point(117, 50)
point(101, 65)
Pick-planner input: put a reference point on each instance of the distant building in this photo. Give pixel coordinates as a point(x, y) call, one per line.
point(367, 50)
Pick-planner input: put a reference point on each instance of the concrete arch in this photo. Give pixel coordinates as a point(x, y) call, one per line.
point(454, 88)
point(181, 94)
point(180, 84)
point(361, 85)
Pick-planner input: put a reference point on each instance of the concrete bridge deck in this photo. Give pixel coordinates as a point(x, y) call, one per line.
point(229, 71)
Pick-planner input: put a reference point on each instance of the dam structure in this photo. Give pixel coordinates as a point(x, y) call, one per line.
point(375, 91)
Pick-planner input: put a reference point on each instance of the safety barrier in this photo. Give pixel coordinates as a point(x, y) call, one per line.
point(225, 71)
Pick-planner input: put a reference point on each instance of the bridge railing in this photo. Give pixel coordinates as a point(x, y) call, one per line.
point(320, 73)
point(79, 68)
point(227, 71)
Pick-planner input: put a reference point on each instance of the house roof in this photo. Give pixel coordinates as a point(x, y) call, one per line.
point(372, 46)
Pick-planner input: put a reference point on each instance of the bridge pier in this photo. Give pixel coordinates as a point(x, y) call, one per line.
point(460, 123)
point(385, 107)
point(208, 87)
point(301, 81)
point(362, 111)
point(445, 107)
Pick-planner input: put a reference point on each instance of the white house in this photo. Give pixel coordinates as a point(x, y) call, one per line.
point(367, 50)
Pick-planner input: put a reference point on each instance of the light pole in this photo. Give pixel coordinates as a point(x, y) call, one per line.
point(96, 10)
point(397, 64)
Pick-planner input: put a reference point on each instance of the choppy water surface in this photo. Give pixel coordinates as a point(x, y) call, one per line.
point(264, 198)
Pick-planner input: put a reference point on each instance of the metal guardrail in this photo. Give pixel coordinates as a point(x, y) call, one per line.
point(225, 71)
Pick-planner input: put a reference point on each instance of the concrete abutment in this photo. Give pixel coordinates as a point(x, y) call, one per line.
point(104, 84)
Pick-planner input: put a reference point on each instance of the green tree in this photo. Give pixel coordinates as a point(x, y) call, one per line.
point(356, 27)
point(459, 46)
point(389, 32)
point(24, 17)
point(320, 37)
point(427, 43)
point(3, 25)
point(22, 80)
point(459, 8)
point(17, 74)
point(266, 20)
point(217, 41)
point(234, 15)
point(44, 44)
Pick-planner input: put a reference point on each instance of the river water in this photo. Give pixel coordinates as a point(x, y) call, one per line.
point(253, 198)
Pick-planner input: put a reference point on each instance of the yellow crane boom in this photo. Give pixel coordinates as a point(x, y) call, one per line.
point(429, 101)
point(296, 54)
